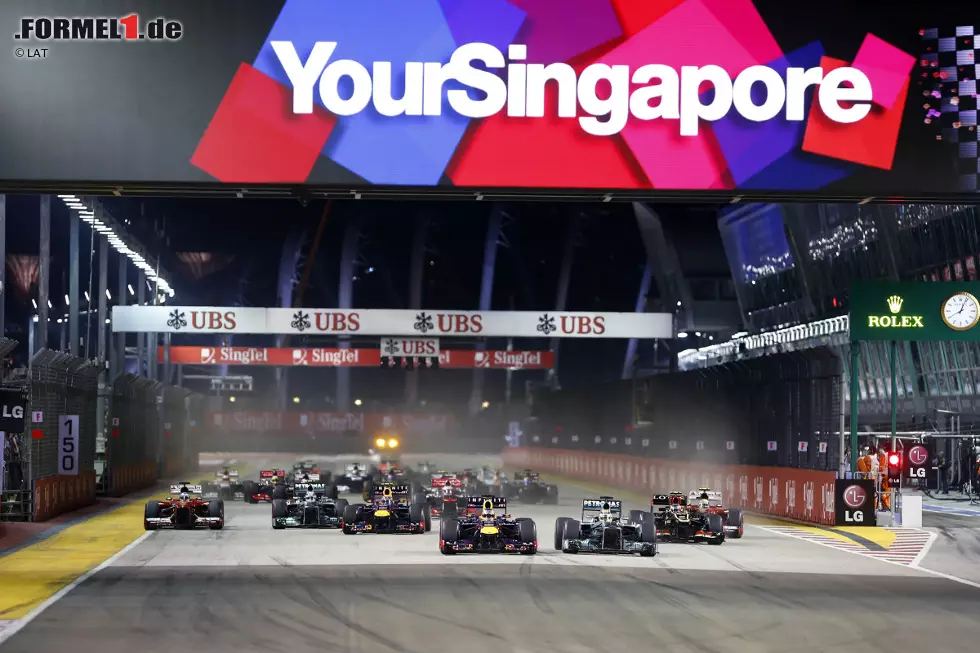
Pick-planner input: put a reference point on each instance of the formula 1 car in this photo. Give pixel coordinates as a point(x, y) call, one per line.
point(442, 495)
point(271, 485)
point(711, 502)
point(603, 530)
point(328, 489)
point(491, 530)
point(677, 521)
point(311, 506)
point(226, 486)
point(184, 509)
point(391, 510)
point(353, 478)
point(527, 487)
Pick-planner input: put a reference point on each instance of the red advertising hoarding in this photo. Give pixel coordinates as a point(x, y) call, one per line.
point(326, 423)
point(802, 494)
point(602, 96)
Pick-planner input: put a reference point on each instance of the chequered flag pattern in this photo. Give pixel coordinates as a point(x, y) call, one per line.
point(949, 70)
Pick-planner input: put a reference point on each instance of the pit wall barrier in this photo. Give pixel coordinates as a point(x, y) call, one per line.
point(132, 478)
point(56, 495)
point(799, 494)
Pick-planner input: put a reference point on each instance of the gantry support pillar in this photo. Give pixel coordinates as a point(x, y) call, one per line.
point(564, 280)
point(349, 252)
point(486, 294)
point(416, 282)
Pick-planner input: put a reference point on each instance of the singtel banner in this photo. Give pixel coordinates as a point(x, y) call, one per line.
point(326, 423)
point(605, 95)
point(336, 357)
point(375, 322)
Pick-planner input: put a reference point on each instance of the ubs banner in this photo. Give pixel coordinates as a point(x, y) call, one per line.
point(834, 96)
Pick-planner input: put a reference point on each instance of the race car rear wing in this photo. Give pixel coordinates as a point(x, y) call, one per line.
point(714, 498)
point(233, 473)
point(397, 491)
point(613, 506)
point(319, 488)
point(498, 503)
point(270, 473)
point(443, 481)
point(663, 500)
point(192, 489)
point(313, 478)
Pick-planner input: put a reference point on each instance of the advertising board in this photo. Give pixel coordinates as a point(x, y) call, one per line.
point(499, 359)
point(882, 310)
point(384, 322)
point(751, 96)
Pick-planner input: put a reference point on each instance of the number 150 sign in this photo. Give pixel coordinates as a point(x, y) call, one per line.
point(68, 445)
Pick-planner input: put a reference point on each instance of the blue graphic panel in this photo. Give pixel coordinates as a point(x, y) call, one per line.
point(405, 150)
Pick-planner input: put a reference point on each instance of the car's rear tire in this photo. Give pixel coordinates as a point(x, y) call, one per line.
point(448, 532)
point(351, 514)
point(151, 511)
point(279, 511)
point(638, 516)
point(736, 518)
point(571, 531)
point(527, 531)
point(279, 492)
point(648, 532)
point(332, 492)
point(427, 511)
point(715, 524)
point(340, 506)
point(560, 531)
point(416, 514)
point(250, 489)
point(216, 508)
point(450, 510)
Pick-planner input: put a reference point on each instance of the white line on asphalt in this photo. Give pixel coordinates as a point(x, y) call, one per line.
point(18, 624)
point(955, 579)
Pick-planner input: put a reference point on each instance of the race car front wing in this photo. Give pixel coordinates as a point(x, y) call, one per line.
point(165, 522)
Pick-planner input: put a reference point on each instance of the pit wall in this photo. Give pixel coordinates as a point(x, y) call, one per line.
point(799, 494)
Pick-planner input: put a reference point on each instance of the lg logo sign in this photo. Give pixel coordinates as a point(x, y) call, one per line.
point(854, 497)
point(918, 455)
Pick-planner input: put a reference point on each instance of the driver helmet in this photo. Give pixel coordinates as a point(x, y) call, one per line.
point(310, 496)
point(703, 504)
point(527, 480)
point(185, 496)
point(487, 513)
point(447, 490)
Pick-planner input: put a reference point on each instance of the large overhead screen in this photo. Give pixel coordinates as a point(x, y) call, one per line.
point(836, 97)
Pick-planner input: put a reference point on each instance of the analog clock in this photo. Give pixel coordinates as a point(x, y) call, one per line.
point(961, 311)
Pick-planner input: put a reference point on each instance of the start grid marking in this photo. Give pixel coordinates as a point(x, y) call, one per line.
point(907, 549)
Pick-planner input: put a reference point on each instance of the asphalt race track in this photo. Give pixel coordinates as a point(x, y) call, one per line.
point(249, 588)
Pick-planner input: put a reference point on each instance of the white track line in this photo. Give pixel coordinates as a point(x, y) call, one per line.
point(19, 624)
point(955, 579)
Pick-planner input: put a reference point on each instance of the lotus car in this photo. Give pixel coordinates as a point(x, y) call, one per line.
point(677, 521)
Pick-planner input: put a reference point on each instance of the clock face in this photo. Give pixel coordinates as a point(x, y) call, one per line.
point(961, 311)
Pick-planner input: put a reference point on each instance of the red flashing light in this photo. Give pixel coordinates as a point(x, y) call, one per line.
point(835, 302)
point(894, 459)
point(115, 433)
point(558, 429)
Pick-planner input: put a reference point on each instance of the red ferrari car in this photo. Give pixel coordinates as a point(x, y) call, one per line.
point(184, 509)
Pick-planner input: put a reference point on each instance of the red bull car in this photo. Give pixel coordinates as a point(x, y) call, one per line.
point(392, 510)
point(489, 530)
point(184, 509)
point(270, 486)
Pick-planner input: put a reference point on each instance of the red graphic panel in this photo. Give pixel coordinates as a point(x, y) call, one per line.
point(870, 141)
point(255, 137)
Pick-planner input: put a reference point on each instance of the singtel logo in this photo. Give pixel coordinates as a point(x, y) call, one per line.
point(650, 92)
